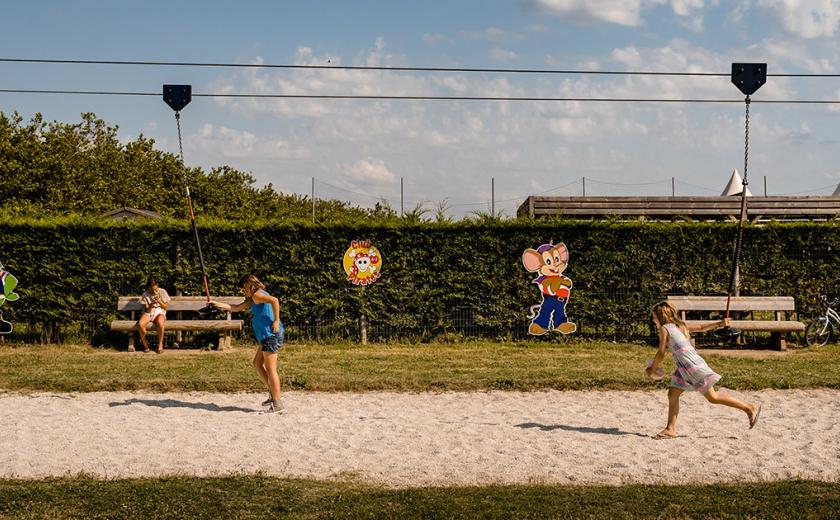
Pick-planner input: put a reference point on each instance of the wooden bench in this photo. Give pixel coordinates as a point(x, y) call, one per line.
point(177, 306)
point(780, 306)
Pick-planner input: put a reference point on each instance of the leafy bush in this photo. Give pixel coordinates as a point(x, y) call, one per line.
point(438, 278)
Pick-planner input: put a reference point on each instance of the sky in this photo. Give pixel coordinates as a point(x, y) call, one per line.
point(447, 152)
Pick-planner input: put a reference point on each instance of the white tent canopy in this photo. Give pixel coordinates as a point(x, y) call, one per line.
point(733, 187)
point(836, 192)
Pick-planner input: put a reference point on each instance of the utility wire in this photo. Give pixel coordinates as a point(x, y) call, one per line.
point(695, 185)
point(812, 190)
point(395, 68)
point(428, 97)
point(629, 183)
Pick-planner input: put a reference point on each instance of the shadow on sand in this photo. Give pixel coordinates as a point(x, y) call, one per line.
point(174, 403)
point(581, 429)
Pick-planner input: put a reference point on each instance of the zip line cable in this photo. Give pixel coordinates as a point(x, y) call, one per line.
point(428, 97)
point(396, 68)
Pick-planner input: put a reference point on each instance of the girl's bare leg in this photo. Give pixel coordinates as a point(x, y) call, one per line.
point(673, 410)
point(160, 321)
point(258, 365)
point(141, 327)
point(715, 398)
point(270, 361)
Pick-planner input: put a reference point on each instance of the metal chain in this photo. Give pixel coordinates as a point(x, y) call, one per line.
point(180, 145)
point(181, 151)
point(746, 140)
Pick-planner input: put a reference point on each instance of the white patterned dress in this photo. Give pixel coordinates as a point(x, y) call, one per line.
point(692, 372)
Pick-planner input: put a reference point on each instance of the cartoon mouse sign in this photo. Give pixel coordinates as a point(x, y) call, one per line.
point(549, 260)
point(362, 263)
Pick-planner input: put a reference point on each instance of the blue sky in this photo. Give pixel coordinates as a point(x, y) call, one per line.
point(448, 151)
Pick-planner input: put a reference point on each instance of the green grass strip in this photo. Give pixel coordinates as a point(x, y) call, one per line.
point(400, 367)
point(264, 497)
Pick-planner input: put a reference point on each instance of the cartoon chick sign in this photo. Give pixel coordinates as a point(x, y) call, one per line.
point(362, 263)
point(7, 294)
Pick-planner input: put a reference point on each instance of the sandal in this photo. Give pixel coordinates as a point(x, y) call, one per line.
point(662, 436)
point(755, 417)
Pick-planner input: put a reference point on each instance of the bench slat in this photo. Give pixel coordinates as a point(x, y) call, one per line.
point(739, 303)
point(193, 325)
point(177, 303)
point(756, 325)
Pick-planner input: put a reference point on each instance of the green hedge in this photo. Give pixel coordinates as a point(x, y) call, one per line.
point(437, 278)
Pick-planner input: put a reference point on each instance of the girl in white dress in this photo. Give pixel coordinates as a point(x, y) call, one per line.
point(692, 372)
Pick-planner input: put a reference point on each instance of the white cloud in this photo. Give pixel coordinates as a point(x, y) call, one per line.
point(620, 12)
point(784, 54)
point(369, 171)
point(498, 54)
point(686, 7)
point(450, 149)
point(628, 56)
point(491, 34)
point(694, 24)
point(230, 143)
point(806, 18)
point(435, 38)
point(737, 13)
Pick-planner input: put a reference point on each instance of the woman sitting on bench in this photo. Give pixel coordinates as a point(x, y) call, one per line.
point(156, 301)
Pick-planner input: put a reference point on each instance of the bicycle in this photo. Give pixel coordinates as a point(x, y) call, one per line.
point(821, 330)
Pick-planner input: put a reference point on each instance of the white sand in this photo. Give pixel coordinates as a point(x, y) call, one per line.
point(422, 439)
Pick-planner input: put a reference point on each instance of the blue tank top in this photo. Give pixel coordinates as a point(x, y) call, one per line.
point(262, 316)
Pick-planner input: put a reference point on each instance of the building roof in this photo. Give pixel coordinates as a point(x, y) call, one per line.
point(667, 208)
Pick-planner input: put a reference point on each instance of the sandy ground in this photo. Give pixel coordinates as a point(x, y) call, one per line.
point(422, 439)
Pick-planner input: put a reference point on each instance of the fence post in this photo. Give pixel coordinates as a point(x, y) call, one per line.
point(493, 197)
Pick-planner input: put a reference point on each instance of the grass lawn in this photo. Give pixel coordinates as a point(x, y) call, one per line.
point(264, 497)
point(399, 367)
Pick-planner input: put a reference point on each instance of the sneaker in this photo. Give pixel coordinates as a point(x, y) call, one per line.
point(275, 407)
point(269, 400)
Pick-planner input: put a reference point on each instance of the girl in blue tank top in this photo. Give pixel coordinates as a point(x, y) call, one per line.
point(269, 332)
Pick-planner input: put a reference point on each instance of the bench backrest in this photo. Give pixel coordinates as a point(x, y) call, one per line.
point(177, 303)
point(739, 303)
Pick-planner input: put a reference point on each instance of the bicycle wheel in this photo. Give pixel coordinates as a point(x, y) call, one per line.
point(818, 332)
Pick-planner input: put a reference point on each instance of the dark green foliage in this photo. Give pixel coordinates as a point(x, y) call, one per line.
point(438, 278)
point(84, 169)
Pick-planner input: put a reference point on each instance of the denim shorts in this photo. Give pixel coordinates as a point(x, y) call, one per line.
point(274, 342)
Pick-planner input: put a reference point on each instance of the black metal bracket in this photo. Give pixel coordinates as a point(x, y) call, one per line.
point(177, 96)
point(749, 77)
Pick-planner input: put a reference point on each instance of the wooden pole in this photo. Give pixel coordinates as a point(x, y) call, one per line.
point(493, 197)
point(583, 180)
point(363, 328)
point(313, 199)
point(765, 185)
point(362, 317)
point(673, 187)
point(402, 199)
